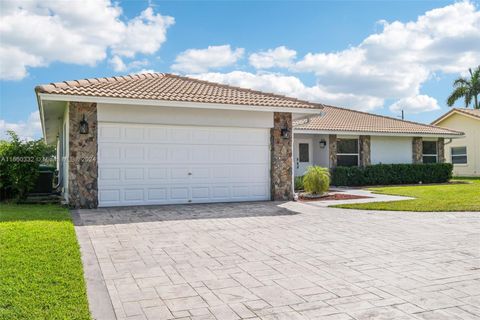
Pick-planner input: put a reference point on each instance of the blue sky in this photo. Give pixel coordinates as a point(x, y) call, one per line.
point(376, 56)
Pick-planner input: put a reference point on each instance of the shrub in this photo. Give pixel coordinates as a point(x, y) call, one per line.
point(384, 174)
point(298, 183)
point(19, 164)
point(316, 180)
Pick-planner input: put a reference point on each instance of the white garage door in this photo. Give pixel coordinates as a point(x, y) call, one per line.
point(156, 164)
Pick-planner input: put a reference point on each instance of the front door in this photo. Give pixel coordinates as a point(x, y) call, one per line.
point(303, 156)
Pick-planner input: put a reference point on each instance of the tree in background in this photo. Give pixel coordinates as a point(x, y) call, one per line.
point(19, 164)
point(467, 89)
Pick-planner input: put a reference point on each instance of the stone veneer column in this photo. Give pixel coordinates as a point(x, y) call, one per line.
point(364, 142)
point(83, 169)
point(332, 150)
point(281, 157)
point(441, 150)
point(417, 150)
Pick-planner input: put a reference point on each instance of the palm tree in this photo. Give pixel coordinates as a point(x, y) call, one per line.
point(467, 89)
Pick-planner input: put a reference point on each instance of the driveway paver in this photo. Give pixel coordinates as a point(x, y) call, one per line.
point(270, 260)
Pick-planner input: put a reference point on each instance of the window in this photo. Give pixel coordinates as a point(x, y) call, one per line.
point(347, 152)
point(459, 155)
point(429, 151)
point(303, 152)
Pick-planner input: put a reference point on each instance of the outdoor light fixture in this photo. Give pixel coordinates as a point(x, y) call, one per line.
point(323, 143)
point(84, 125)
point(285, 133)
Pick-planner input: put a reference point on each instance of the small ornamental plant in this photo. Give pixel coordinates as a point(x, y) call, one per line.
point(316, 180)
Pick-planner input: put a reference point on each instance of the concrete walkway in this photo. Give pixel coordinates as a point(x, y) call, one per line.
point(270, 260)
point(373, 197)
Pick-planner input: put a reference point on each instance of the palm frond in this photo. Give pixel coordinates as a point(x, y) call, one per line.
point(456, 94)
point(461, 82)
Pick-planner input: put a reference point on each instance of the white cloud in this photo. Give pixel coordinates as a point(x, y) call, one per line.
point(415, 104)
point(202, 60)
point(144, 71)
point(278, 57)
point(293, 87)
point(394, 63)
point(117, 64)
point(36, 33)
point(30, 129)
point(143, 34)
point(391, 64)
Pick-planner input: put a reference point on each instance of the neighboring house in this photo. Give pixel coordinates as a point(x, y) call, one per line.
point(463, 153)
point(162, 139)
point(344, 137)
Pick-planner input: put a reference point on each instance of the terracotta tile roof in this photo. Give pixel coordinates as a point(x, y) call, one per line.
point(469, 112)
point(337, 119)
point(164, 86)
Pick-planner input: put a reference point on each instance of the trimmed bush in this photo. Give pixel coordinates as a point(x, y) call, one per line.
point(298, 183)
point(316, 180)
point(385, 174)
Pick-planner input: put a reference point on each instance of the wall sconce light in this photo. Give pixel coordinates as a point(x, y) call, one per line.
point(84, 125)
point(285, 133)
point(323, 143)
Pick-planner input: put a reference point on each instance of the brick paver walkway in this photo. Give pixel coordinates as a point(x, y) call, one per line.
point(260, 261)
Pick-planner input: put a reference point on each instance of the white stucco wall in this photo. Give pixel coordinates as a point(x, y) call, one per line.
point(391, 150)
point(183, 116)
point(319, 155)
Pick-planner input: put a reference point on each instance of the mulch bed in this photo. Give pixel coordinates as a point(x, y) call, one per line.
point(335, 196)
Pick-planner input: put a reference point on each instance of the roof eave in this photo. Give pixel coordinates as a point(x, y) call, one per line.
point(179, 104)
point(377, 133)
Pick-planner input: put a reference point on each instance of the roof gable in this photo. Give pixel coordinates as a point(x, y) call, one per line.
point(472, 113)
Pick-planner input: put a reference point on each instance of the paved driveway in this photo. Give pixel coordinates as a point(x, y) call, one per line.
point(280, 261)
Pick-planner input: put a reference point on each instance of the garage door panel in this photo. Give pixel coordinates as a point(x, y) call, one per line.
point(179, 154)
point(157, 173)
point(157, 153)
point(135, 134)
point(134, 174)
point(133, 153)
point(180, 134)
point(158, 134)
point(133, 194)
point(109, 196)
point(180, 173)
point(156, 164)
point(249, 154)
point(157, 194)
point(109, 133)
point(179, 193)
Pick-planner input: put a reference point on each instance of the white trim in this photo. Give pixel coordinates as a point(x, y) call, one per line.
point(431, 154)
point(459, 155)
point(451, 113)
point(387, 134)
point(42, 120)
point(178, 104)
point(350, 154)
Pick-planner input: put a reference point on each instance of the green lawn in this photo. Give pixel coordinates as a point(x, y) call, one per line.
point(446, 197)
point(41, 275)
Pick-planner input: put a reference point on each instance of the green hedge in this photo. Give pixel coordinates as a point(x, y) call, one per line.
point(384, 174)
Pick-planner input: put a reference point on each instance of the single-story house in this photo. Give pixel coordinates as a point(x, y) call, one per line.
point(463, 153)
point(345, 137)
point(165, 139)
